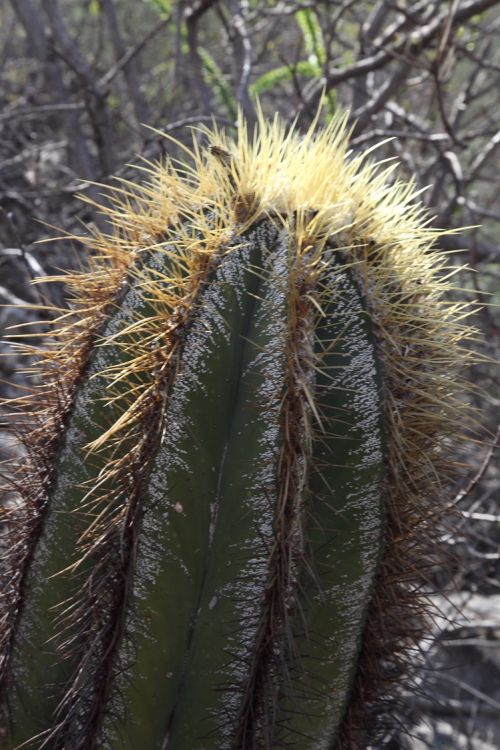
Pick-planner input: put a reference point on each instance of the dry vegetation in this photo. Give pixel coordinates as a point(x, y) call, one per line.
point(82, 82)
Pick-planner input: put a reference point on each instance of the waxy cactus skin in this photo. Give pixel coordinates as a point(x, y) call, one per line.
point(236, 453)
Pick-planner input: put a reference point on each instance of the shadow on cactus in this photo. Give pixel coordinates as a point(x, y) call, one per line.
point(236, 456)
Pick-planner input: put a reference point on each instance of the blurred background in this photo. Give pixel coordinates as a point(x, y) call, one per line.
point(89, 87)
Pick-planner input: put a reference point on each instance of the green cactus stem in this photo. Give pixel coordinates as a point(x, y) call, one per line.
point(236, 453)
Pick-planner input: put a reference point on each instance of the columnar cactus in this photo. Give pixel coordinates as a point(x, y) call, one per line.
point(235, 459)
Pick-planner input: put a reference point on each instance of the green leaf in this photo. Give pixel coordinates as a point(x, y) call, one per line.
point(164, 7)
point(314, 42)
point(272, 78)
point(215, 78)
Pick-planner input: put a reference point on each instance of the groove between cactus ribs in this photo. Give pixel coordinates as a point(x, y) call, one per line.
point(187, 481)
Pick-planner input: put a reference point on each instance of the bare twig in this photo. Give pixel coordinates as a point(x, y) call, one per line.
point(132, 53)
point(192, 18)
point(125, 63)
point(9, 218)
point(94, 96)
point(480, 472)
point(242, 52)
point(469, 689)
point(35, 112)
